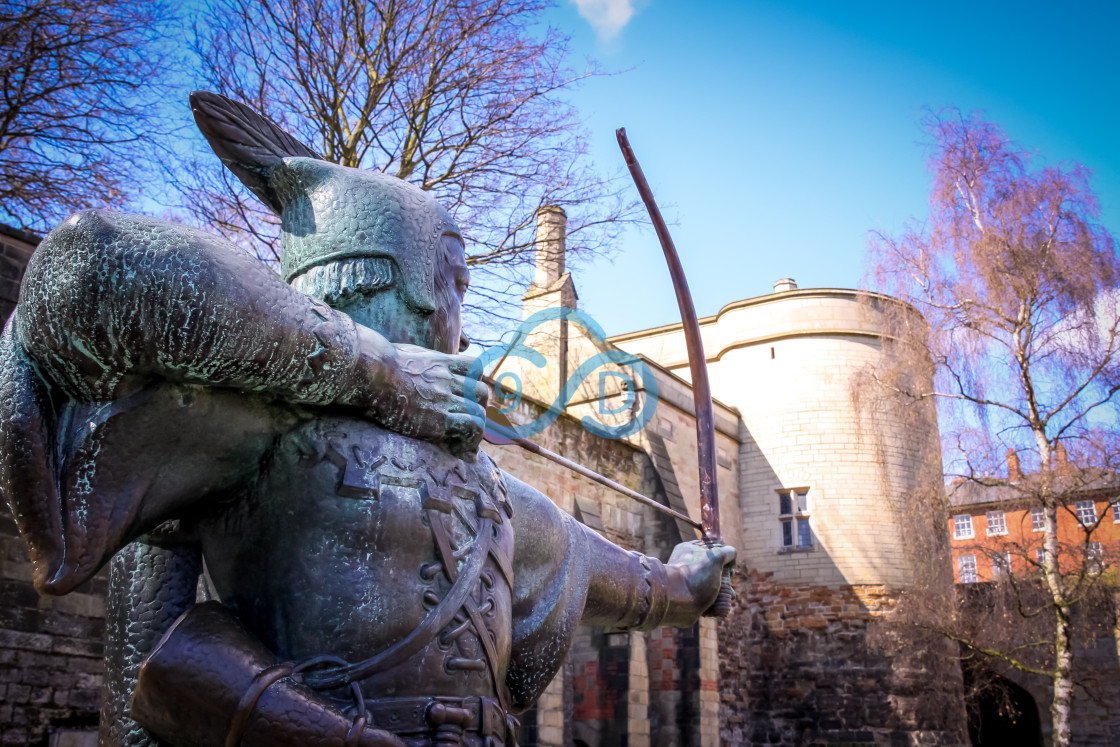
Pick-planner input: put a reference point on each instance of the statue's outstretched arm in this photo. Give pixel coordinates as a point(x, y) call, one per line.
point(111, 301)
point(568, 575)
point(125, 367)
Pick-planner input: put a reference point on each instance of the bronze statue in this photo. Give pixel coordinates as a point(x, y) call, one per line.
point(374, 579)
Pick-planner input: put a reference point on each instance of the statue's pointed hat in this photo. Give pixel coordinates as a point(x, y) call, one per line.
point(327, 212)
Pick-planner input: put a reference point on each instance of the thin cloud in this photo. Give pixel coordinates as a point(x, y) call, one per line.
point(607, 17)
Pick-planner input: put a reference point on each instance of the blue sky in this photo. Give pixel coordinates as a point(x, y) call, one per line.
point(777, 135)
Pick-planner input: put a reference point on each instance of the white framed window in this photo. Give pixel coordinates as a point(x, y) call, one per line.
point(1040, 555)
point(1116, 512)
point(1038, 519)
point(966, 568)
point(1001, 563)
point(793, 508)
point(1086, 512)
point(962, 526)
point(997, 523)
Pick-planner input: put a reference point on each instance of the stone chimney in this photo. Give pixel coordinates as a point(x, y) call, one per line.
point(552, 288)
point(552, 224)
point(1013, 471)
point(784, 284)
point(1061, 459)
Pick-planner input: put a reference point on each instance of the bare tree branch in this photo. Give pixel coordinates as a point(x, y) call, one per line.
point(79, 94)
point(463, 98)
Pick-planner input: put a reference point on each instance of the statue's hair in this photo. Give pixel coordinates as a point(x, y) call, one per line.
point(339, 283)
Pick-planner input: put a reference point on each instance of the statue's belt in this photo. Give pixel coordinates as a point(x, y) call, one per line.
point(477, 715)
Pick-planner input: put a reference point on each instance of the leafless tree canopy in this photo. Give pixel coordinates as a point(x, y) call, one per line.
point(77, 79)
point(463, 98)
point(1019, 284)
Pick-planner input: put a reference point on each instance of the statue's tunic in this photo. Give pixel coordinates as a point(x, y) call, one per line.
point(405, 550)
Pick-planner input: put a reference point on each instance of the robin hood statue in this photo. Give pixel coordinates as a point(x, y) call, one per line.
point(169, 404)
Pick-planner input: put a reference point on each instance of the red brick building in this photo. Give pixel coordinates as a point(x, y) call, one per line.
point(996, 528)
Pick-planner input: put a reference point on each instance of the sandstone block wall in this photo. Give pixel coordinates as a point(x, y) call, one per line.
point(787, 362)
point(51, 649)
point(636, 689)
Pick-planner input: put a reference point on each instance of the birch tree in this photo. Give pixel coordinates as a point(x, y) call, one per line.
point(1018, 282)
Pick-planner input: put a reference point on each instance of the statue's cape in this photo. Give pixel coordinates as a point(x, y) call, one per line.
point(85, 479)
point(28, 469)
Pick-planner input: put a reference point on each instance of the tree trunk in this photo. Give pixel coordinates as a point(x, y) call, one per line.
point(1063, 679)
point(1063, 648)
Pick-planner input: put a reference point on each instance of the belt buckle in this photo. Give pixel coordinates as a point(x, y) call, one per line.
point(491, 718)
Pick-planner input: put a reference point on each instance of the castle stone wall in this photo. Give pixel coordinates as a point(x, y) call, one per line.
point(51, 649)
point(805, 664)
point(618, 686)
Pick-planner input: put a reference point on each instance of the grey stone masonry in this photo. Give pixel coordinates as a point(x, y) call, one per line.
point(16, 247)
point(50, 648)
point(51, 651)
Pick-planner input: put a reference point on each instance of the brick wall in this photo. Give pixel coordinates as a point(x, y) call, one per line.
point(1019, 542)
point(50, 648)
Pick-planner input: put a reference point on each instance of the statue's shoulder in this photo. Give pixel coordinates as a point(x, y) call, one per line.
point(103, 238)
point(95, 256)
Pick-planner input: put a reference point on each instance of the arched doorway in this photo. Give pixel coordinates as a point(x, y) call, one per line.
point(1004, 715)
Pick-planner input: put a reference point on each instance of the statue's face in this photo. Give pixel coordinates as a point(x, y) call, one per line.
point(440, 329)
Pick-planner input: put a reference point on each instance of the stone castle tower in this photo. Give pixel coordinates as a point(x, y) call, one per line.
point(812, 487)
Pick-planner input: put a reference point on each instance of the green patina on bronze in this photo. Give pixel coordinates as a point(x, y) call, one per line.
point(372, 577)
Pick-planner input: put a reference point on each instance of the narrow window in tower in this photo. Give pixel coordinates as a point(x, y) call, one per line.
point(793, 508)
point(966, 568)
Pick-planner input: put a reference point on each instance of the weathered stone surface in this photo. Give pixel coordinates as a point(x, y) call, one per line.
point(801, 665)
point(51, 655)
